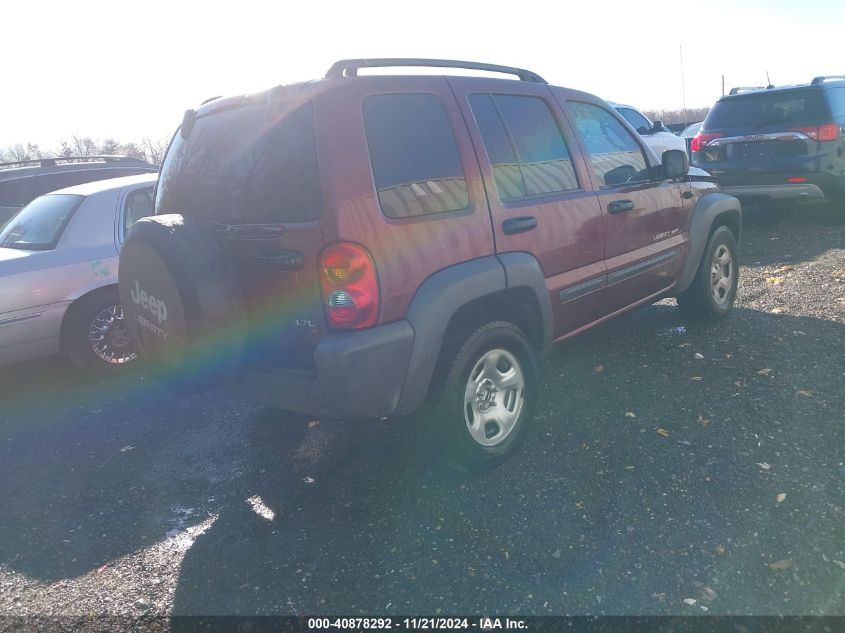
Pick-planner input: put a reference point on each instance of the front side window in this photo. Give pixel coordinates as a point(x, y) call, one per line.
point(416, 164)
point(637, 120)
point(524, 144)
point(139, 204)
point(615, 154)
point(39, 225)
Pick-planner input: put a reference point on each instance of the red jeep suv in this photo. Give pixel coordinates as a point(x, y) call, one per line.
point(360, 246)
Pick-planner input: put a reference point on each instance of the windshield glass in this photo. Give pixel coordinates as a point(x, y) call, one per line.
point(763, 109)
point(39, 225)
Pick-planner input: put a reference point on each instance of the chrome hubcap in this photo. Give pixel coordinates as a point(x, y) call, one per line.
point(494, 397)
point(722, 275)
point(109, 337)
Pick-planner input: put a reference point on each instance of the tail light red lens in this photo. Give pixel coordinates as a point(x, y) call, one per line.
point(700, 140)
point(826, 132)
point(349, 286)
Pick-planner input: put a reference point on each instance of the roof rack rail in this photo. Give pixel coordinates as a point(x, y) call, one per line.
point(350, 67)
point(51, 161)
point(738, 89)
point(822, 78)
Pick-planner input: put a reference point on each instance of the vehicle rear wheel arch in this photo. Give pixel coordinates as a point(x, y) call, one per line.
point(517, 305)
point(456, 298)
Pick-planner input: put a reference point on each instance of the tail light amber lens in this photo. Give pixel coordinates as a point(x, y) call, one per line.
point(349, 286)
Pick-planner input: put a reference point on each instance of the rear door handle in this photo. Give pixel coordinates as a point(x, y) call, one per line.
point(619, 206)
point(287, 260)
point(522, 224)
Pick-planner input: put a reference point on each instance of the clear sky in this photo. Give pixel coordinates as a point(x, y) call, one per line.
point(129, 69)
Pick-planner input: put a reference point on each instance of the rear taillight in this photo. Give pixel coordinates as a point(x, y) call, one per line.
point(701, 139)
point(349, 286)
point(826, 132)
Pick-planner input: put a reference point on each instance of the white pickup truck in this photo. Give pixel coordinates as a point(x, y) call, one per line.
point(654, 134)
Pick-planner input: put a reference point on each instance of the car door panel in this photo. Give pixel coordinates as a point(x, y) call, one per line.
point(644, 247)
point(644, 216)
point(567, 235)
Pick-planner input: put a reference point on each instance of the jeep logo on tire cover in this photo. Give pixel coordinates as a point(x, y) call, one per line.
point(156, 307)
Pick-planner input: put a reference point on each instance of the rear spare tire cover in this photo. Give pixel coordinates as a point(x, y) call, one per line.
point(182, 302)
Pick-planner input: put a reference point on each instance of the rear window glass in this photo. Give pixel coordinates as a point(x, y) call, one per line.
point(416, 164)
point(39, 225)
point(246, 165)
point(768, 109)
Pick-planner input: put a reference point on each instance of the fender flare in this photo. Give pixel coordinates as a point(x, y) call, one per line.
point(444, 293)
point(706, 210)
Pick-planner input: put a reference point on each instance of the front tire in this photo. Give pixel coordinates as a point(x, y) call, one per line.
point(712, 293)
point(484, 408)
point(95, 334)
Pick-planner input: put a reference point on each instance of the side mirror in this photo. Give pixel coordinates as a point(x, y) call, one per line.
point(675, 164)
point(657, 127)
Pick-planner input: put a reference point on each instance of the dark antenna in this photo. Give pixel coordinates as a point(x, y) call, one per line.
point(769, 85)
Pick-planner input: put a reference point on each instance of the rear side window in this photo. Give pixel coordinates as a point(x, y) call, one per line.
point(39, 225)
point(139, 204)
point(759, 110)
point(615, 154)
point(524, 144)
point(416, 163)
point(836, 97)
point(245, 165)
point(18, 191)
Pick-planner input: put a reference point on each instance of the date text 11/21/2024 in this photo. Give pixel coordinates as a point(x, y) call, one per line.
point(420, 623)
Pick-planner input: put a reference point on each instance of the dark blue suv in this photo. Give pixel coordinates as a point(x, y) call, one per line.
point(785, 143)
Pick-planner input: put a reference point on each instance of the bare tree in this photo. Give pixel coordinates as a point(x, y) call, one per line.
point(132, 150)
point(110, 146)
point(20, 152)
point(64, 150)
point(155, 149)
point(692, 115)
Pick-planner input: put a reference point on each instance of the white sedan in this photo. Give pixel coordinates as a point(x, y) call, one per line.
point(58, 274)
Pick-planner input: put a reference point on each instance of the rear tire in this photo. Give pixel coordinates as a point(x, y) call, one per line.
point(95, 335)
point(482, 411)
point(712, 293)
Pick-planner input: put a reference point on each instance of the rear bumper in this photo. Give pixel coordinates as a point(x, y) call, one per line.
point(800, 191)
point(358, 375)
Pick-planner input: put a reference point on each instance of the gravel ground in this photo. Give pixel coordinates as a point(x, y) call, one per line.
point(674, 469)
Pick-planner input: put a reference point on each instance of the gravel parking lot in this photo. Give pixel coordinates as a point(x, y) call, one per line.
point(674, 469)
